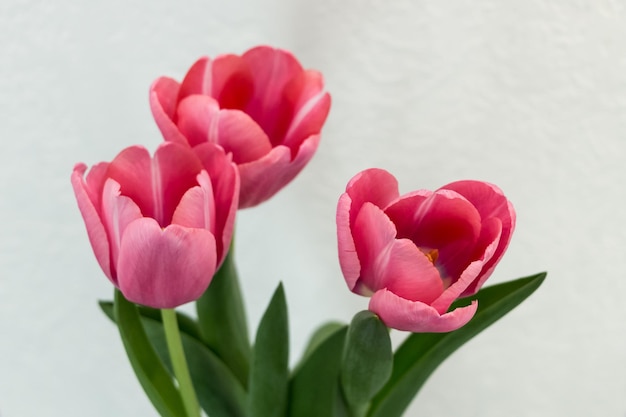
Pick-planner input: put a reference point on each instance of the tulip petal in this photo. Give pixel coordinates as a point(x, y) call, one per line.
point(174, 171)
point(198, 79)
point(374, 236)
point(442, 220)
point(118, 212)
point(163, 100)
point(165, 268)
point(197, 206)
point(273, 69)
point(93, 223)
point(348, 259)
point(487, 246)
point(414, 316)
point(308, 120)
point(490, 202)
point(471, 279)
point(232, 82)
point(242, 136)
point(197, 119)
point(226, 189)
point(263, 178)
point(374, 185)
point(410, 274)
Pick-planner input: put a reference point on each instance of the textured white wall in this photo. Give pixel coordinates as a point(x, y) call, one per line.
point(530, 95)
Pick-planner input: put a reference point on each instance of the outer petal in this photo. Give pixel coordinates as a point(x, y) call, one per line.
point(414, 316)
point(232, 82)
point(165, 268)
point(198, 79)
point(272, 69)
point(374, 185)
point(95, 228)
point(470, 278)
point(348, 259)
point(226, 189)
point(117, 213)
point(263, 178)
point(308, 120)
point(311, 105)
point(490, 202)
point(163, 100)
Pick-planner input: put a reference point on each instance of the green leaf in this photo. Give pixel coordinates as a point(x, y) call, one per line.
point(149, 368)
point(222, 320)
point(367, 360)
point(321, 334)
point(421, 353)
point(220, 394)
point(269, 371)
point(185, 323)
point(314, 386)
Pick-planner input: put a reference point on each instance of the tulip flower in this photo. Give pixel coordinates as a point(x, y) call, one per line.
point(415, 254)
point(159, 226)
point(262, 107)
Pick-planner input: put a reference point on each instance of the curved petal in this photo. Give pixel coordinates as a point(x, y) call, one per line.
point(131, 169)
point(414, 316)
point(272, 70)
point(241, 136)
point(197, 119)
point(374, 236)
point(163, 100)
point(198, 79)
point(263, 178)
point(373, 185)
point(490, 202)
point(348, 259)
point(232, 82)
point(197, 206)
point(487, 246)
point(410, 274)
point(165, 268)
point(95, 228)
point(174, 170)
point(118, 212)
point(308, 120)
point(226, 188)
point(201, 120)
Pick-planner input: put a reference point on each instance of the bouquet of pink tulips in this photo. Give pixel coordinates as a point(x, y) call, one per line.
point(237, 129)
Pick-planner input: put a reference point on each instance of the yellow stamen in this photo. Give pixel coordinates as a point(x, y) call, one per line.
point(432, 255)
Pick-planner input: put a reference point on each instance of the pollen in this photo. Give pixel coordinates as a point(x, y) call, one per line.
point(432, 255)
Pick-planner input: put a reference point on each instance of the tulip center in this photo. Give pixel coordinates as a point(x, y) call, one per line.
point(432, 255)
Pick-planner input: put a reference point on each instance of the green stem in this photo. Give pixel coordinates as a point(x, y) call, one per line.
point(179, 363)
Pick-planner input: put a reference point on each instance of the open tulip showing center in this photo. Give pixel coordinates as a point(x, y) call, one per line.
point(416, 253)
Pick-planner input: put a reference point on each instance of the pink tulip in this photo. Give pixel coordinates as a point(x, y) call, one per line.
point(262, 107)
point(159, 226)
point(417, 253)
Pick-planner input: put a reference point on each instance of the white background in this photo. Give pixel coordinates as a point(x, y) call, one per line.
point(530, 95)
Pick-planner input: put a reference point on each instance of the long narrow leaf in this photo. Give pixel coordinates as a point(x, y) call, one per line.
point(420, 354)
point(269, 371)
point(149, 368)
point(222, 320)
point(220, 394)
